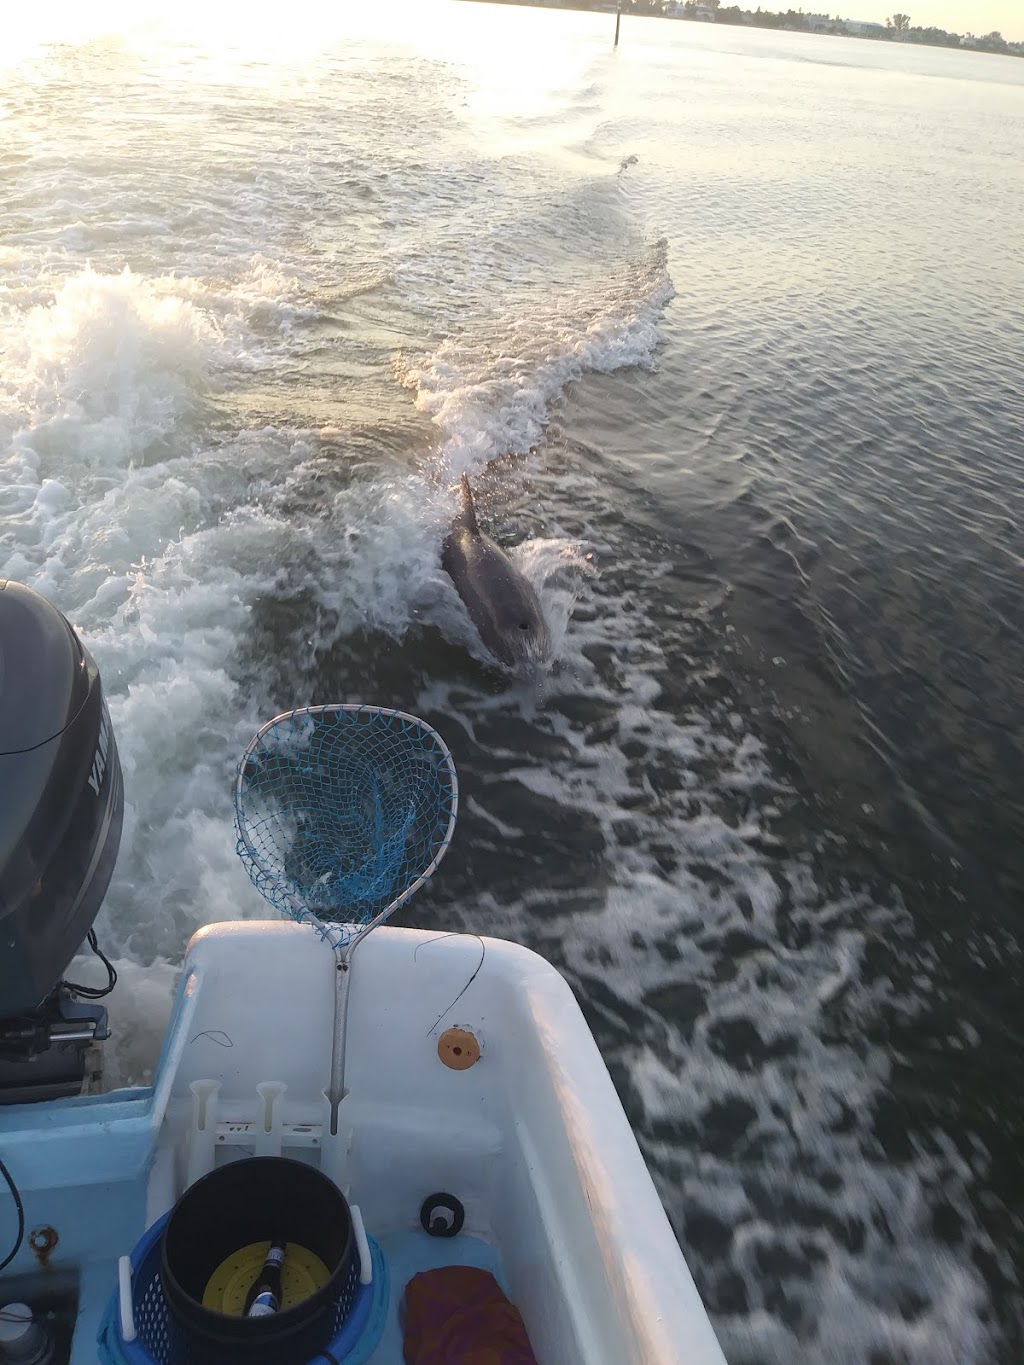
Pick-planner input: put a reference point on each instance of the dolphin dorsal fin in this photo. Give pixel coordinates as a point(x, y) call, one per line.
point(468, 508)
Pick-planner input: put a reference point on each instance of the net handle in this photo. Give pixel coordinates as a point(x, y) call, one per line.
point(331, 933)
point(344, 946)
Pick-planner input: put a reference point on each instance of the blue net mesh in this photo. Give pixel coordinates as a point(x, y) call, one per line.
point(343, 811)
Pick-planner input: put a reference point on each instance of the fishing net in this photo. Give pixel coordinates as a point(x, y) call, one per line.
point(343, 811)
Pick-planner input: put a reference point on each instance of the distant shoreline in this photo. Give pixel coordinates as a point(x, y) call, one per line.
point(787, 21)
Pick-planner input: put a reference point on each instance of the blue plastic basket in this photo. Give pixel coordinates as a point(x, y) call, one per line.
point(359, 1317)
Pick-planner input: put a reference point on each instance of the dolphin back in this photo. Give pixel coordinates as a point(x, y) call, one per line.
point(500, 600)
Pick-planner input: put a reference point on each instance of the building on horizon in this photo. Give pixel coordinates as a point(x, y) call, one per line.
point(863, 28)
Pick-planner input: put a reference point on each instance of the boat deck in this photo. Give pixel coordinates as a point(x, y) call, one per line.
point(529, 1136)
point(408, 1253)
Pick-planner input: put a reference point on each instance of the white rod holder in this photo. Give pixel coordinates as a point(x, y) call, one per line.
point(271, 1118)
point(334, 1147)
point(202, 1138)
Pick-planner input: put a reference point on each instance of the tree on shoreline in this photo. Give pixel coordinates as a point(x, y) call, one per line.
point(899, 23)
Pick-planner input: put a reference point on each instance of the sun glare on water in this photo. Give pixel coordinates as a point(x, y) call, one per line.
point(504, 71)
point(284, 30)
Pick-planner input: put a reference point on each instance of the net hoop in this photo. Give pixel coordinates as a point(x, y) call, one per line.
point(331, 779)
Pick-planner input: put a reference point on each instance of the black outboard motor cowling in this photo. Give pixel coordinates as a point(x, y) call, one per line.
point(61, 807)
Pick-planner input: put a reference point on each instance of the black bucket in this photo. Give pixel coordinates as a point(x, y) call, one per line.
point(251, 1201)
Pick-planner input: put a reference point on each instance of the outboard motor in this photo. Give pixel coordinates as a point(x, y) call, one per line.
point(61, 806)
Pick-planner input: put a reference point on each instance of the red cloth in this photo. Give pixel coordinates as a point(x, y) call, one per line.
point(458, 1316)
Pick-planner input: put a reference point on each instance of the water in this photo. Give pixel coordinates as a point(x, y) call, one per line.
point(727, 330)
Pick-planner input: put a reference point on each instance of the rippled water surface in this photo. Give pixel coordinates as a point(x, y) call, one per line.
point(727, 329)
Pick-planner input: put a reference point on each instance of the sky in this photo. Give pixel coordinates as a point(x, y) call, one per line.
point(959, 16)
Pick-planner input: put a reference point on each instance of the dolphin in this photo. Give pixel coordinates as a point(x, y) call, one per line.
point(501, 603)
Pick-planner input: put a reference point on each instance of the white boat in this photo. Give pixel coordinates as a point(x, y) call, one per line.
point(468, 1072)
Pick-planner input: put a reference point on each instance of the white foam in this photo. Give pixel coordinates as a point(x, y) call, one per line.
point(139, 1009)
point(108, 370)
point(119, 513)
point(490, 400)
